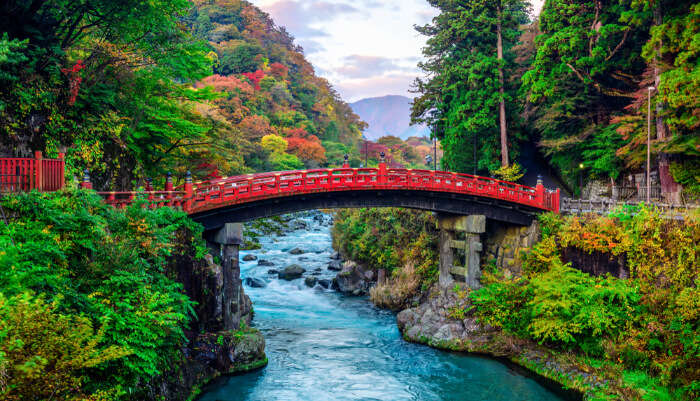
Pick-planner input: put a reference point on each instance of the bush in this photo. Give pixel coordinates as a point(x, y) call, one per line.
point(99, 267)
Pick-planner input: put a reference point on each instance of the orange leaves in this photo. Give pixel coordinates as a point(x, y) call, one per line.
point(227, 84)
point(279, 70)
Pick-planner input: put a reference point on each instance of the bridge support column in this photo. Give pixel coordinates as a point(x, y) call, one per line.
point(451, 229)
point(228, 240)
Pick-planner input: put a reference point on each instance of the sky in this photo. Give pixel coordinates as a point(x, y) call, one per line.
point(365, 48)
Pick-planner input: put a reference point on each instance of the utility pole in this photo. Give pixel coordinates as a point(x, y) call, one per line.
point(435, 154)
point(651, 88)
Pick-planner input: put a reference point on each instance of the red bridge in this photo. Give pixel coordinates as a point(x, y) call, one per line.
point(249, 197)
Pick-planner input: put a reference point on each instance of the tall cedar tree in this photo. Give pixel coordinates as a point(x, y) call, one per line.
point(466, 97)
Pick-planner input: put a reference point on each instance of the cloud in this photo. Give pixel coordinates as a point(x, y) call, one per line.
point(356, 89)
point(357, 66)
point(297, 16)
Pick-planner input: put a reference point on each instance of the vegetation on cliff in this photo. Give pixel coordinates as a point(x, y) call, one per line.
point(646, 325)
point(88, 308)
point(401, 241)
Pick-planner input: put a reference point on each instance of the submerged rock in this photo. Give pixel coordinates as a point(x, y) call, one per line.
point(255, 282)
point(273, 271)
point(263, 262)
point(291, 272)
point(248, 258)
point(297, 251)
point(325, 283)
point(310, 281)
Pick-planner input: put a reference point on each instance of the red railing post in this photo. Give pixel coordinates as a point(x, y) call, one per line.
point(61, 170)
point(556, 201)
point(38, 171)
point(382, 170)
point(189, 192)
point(86, 184)
point(539, 192)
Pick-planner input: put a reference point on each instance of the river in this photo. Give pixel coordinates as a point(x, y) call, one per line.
point(325, 346)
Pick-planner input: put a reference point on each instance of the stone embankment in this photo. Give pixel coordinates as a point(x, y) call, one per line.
point(211, 350)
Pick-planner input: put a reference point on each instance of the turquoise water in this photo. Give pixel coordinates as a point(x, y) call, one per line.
point(324, 346)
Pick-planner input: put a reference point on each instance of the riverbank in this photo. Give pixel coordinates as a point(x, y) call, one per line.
point(602, 336)
point(324, 345)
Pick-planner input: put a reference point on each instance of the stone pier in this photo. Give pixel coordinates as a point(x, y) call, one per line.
point(226, 243)
point(461, 234)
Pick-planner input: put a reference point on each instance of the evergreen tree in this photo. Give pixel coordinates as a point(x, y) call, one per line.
point(466, 98)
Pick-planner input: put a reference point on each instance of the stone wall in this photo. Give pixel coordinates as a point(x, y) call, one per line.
point(507, 244)
point(212, 349)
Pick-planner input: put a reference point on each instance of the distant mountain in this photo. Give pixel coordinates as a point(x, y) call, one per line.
point(388, 115)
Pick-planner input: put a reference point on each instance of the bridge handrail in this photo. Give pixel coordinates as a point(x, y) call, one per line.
point(265, 185)
point(25, 173)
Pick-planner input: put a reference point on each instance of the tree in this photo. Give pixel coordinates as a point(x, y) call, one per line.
point(274, 143)
point(240, 59)
point(466, 98)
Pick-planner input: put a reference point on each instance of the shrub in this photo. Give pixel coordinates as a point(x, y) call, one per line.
point(100, 267)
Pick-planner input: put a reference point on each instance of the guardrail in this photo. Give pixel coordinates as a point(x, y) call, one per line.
point(603, 206)
point(26, 174)
point(197, 197)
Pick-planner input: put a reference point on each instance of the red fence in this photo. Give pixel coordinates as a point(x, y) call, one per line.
point(241, 189)
point(25, 174)
point(48, 175)
point(208, 195)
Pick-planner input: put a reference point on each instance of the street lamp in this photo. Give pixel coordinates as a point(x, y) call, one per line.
point(580, 180)
point(428, 160)
point(366, 151)
point(650, 89)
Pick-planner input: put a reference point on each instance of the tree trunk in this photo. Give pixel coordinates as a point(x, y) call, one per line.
point(502, 106)
point(670, 189)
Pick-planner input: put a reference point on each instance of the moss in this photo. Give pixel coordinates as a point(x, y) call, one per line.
point(244, 368)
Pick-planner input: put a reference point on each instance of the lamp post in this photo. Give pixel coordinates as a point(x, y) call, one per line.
point(580, 180)
point(435, 154)
point(366, 151)
point(428, 160)
point(650, 89)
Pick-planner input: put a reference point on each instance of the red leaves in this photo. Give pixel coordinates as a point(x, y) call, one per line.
point(279, 70)
point(74, 80)
point(255, 78)
point(305, 146)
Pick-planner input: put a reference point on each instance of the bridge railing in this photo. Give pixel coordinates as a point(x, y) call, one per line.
point(26, 174)
point(265, 185)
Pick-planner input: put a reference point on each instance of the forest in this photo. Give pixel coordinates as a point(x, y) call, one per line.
point(581, 81)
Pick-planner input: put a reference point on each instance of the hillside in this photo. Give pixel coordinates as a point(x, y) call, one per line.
point(388, 115)
point(133, 89)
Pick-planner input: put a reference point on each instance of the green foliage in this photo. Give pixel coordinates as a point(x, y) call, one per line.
point(510, 173)
point(389, 239)
point(101, 267)
point(648, 324)
point(239, 59)
point(460, 98)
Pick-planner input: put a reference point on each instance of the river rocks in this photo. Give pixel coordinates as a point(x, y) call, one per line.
point(325, 283)
point(249, 258)
point(273, 271)
point(297, 251)
point(335, 265)
point(299, 225)
point(311, 281)
point(353, 279)
point(255, 282)
point(336, 256)
point(263, 262)
point(291, 272)
point(431, 323)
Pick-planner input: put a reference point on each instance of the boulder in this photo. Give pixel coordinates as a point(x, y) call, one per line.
point(324, 283)
point(335, 265)
point(291, 272)
point(297, 251)
point(353, 279)
point(248, 258)
point(310, 281)
point(263, 262)
point(255, 282)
